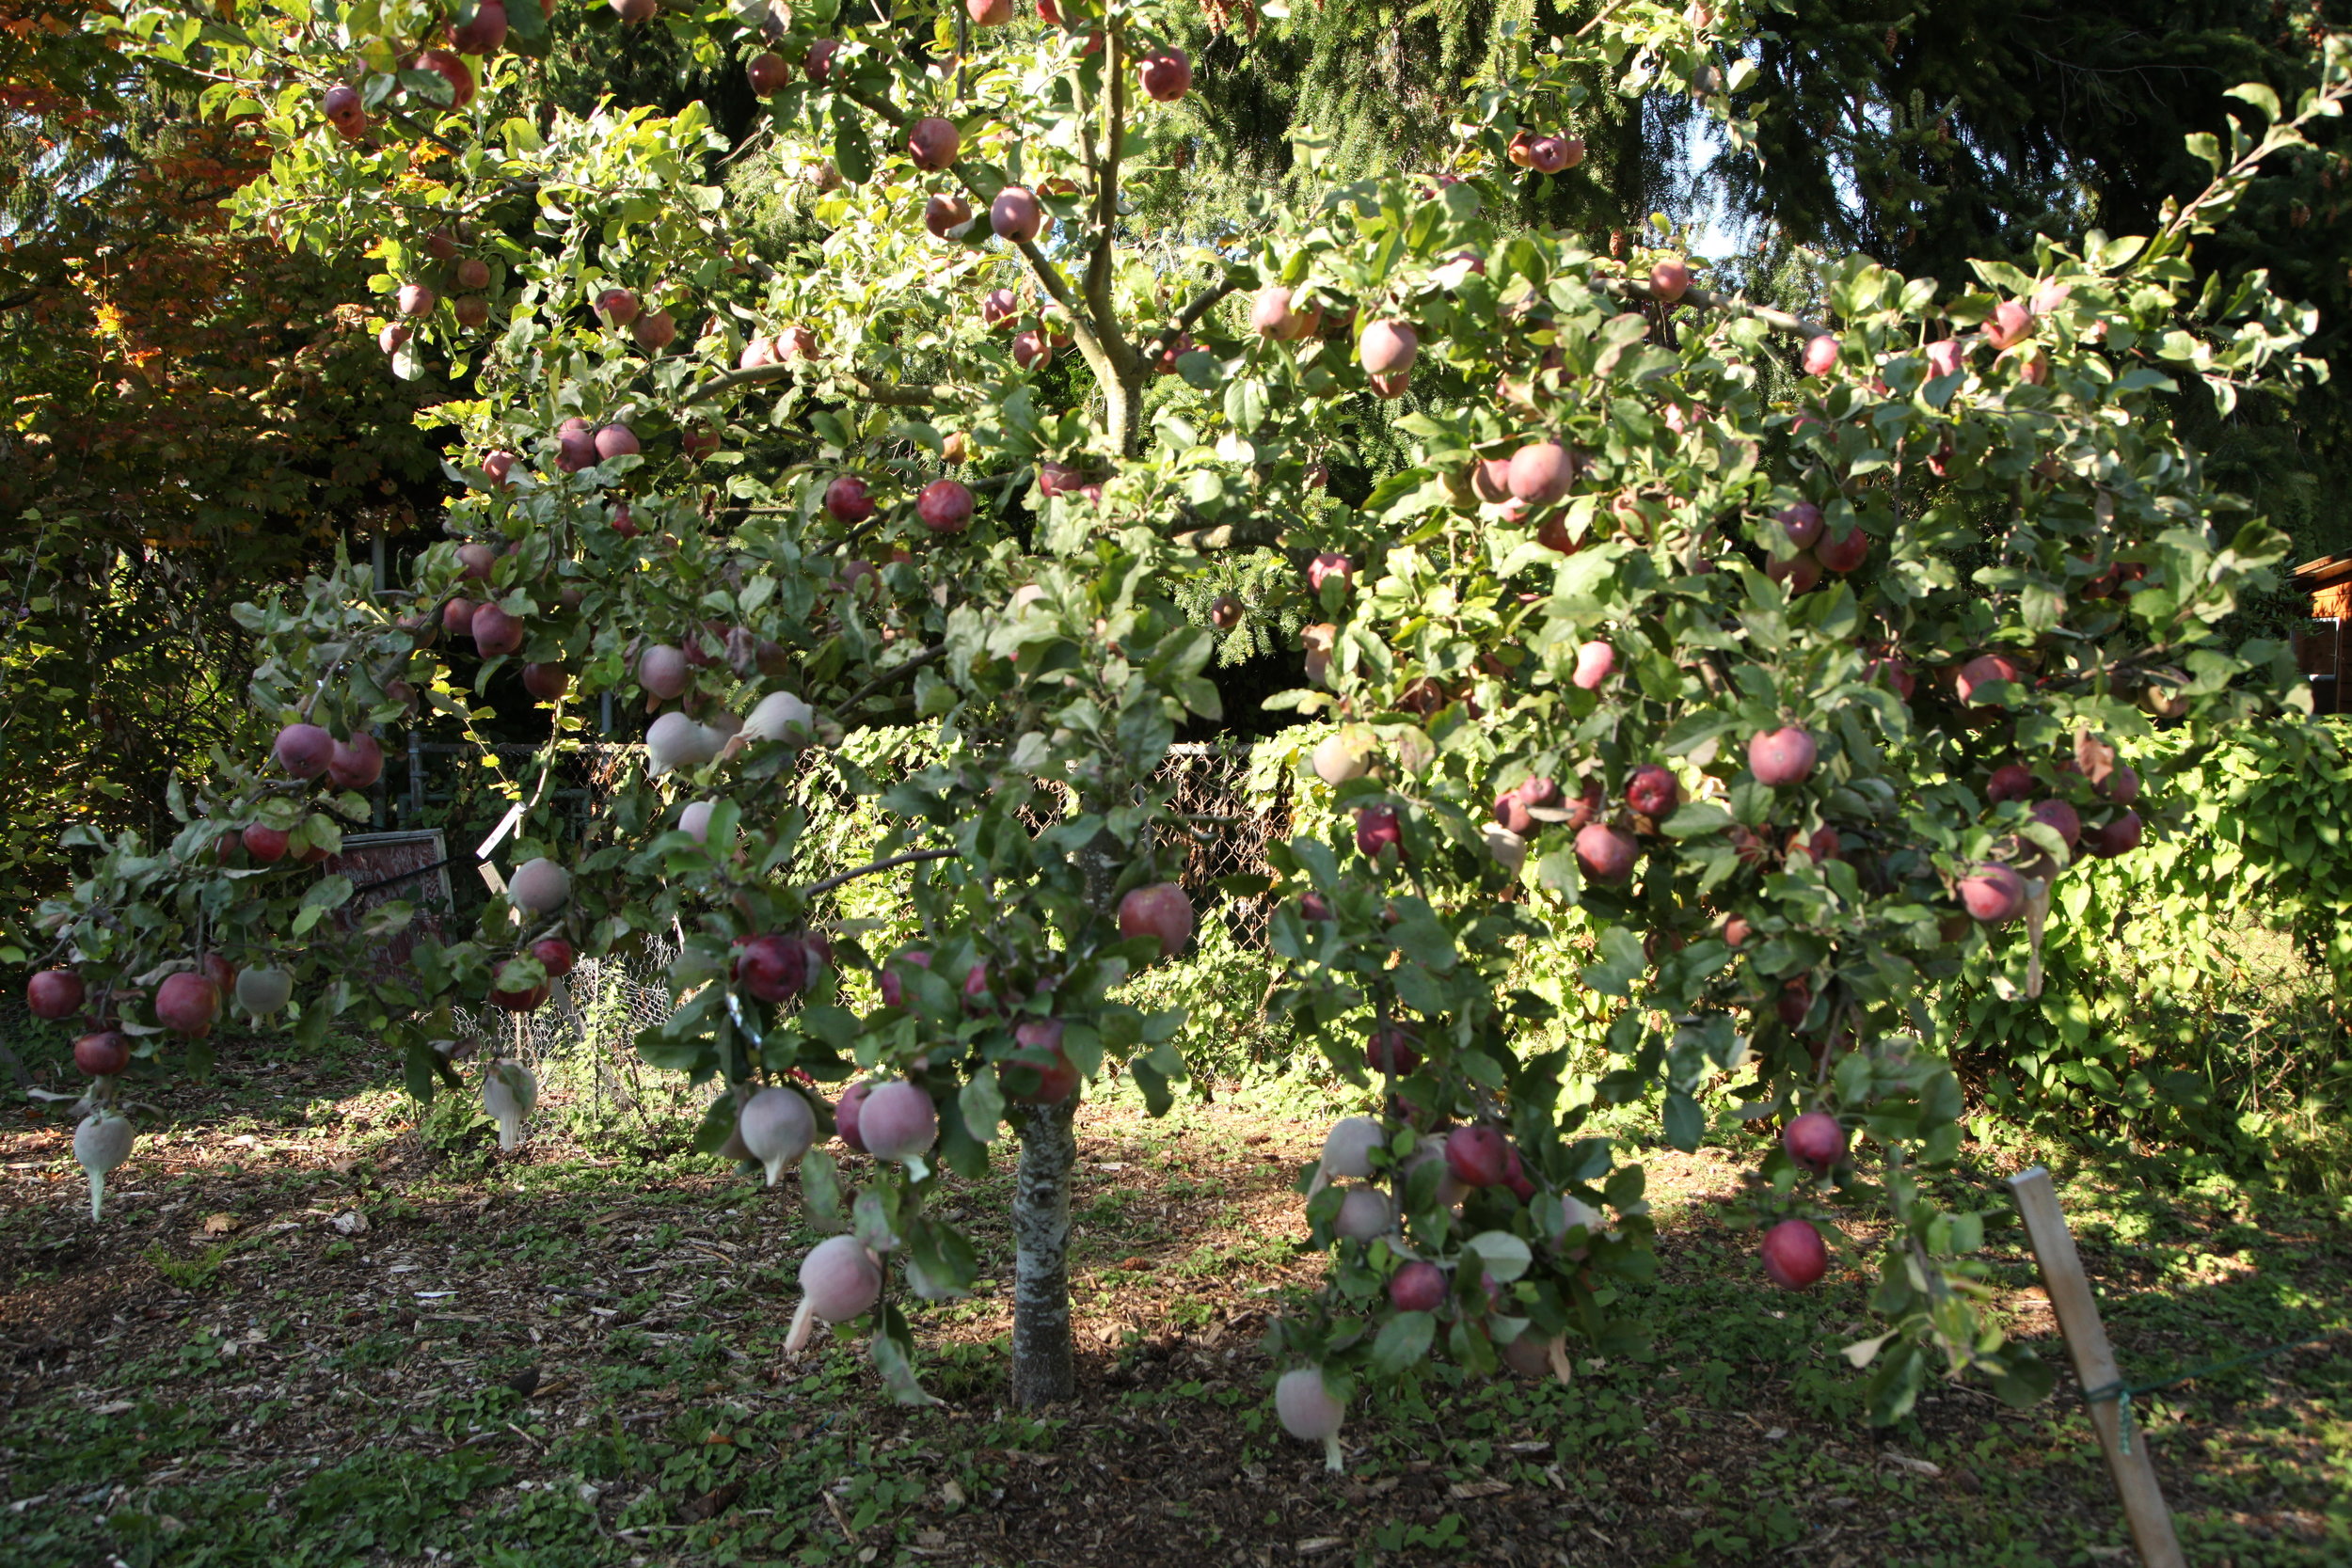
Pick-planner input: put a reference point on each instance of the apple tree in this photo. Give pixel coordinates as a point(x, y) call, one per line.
point(1772, 663)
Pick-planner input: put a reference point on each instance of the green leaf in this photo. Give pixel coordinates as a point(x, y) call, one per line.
point(1685, 1123)
point(852, 153)
point(983, 1105)
point(1404, 1341)
point(821, 1188)
point(1621, 963)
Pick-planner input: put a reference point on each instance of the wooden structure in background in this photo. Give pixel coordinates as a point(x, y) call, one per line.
point(2320, 641)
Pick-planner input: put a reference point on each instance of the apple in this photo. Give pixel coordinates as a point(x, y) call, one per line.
point(1224, 612)
point(1893, 675)
point(53, 994)
point(1815, 1141)
point(1377, 828)
point(1030, 350)
point(635, 11)
point(1821, 353)
point(1801, 573)
point(1540, 472)
point(848, 500)
point(615, 441)
point(1669, 280)
point(1944, 358)
point(2010, 324)
point(773, 967)
point(2061, 817)
point(999, 308)
point(187, 1002)
point(989, 13)
point(1327, 566)
point(356, 764)
point(555, 955)
point(415, 299)
point(540, 887)
point(767, 72)
point(1162, 910)
point(1593, 661)
point(1388, 348)
point(1994, 895)
point(1780, 757)
point(391, 337)
point(1982, 671)
point(1652, 790)
point(1391, 1049)
point(547, 682)
point(103, 1054)
point(2120, 835)
point(945, 506)
point(1337, 758)
point(304, 750)
point(1166, 76)
point(263, 991)
point(1844, 552)
point(496, 633)
point(818, 62)
point(948, 217)
point(451, 70)
point(617, 305)
point(1015, 215)
point(1551, 154)
point(2012, 780)
point(1794, 1256)
point(341, 105)
point(1802, 522)
point(934, 143)
point(1478, 1155)
point(1606, 853)
point(1418, 1287)
point(575, 446)
point(473, 275)
point(267, 846)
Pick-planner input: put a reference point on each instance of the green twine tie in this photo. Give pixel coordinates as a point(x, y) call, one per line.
point(2121, 1392)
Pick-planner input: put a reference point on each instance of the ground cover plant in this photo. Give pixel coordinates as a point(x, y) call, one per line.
point(1779, 667)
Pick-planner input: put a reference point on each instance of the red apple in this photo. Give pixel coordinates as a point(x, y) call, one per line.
point(2012, 780)
point(1418, 1287)
point(934, 143)
point(451, 70)
point(1377, 828)
point(53, 994)
point(1843, 552)
point(1015, 215)
point(1821, 353)
point(547, 682)
point(1780, 757)
point(1995, 894)
point(617, 305)
point(773, 967)
point(496, 633)
point(1652, 790)
point(2061, 818)
point(1166, 76)
point(1162, 910)
point(1794, 1256)
point(615, 441)
point(1986, 670)
point(187, 1002)
point(1388, 348)
point(767, 72)
point(342, 106)
point(1391, 1049)
point(103, 1054)
point(267, 846)
point(818, 63)
point(555, 955)
point(355, 763)
point(1606, 853)
point(2120, 835)
point(848, 500)
point(948, 217)
point(1669, 280)
point(1479, 1155)
point(1815, 1141)
point(1540, 472)
point(945, 506)
point(304, 750)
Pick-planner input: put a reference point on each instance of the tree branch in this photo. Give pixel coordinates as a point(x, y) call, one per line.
point(891, 676)
point(871, 868)
point(1098, 285)
point(1192, 314)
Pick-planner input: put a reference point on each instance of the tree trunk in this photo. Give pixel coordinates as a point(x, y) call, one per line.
point(1043, 1366)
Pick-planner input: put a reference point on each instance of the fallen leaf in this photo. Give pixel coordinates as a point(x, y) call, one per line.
point(1467, 1489)
point(1317, 1544)
point(219, 1225)
point(350, 1222)
point(1138, 1261)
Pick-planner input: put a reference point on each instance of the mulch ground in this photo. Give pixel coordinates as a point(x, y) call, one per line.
point(322, 1287)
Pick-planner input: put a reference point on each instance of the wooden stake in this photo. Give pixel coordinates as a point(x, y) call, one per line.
point(2077, 1312)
